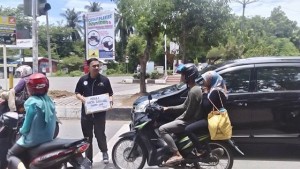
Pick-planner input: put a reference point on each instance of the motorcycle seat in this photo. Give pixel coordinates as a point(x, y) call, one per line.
point(54, 145)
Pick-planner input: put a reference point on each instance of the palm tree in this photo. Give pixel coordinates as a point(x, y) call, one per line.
point(93, 7)
point(73, 21)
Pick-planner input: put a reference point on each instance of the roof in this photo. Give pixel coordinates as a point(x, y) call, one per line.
point(29, 59)
point(256, 60)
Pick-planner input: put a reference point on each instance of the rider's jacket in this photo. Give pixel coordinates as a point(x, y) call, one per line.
point(40, 121)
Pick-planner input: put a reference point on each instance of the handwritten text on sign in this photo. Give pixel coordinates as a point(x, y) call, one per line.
point(98, 103)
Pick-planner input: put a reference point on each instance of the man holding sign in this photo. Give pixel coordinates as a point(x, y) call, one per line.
point(95, 92)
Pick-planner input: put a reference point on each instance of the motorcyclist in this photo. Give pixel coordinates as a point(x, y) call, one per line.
point(40, 120)
point(190, 108)
point(24, 72)
point(214, 94)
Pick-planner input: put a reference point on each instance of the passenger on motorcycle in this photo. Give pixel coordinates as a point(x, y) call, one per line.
point(214, 92)
point(40, 120)
point(190, 108)
point(21, 92)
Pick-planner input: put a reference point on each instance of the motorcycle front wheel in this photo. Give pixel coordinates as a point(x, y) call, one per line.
point(120, 154)
point(224, 159)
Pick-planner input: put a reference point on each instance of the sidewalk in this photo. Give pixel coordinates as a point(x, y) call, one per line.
point(70, 107)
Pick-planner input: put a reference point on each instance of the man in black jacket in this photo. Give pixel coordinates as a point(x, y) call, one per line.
point(93, 84)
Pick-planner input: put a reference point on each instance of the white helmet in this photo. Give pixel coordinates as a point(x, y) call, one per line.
point(23, 71)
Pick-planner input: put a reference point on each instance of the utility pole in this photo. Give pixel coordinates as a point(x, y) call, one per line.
point(35, 8)
point(34, 37)
point(48, 45)
point(244, 3)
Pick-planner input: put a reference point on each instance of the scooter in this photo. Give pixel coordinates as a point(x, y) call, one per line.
point(51, 155)
point(143, 144)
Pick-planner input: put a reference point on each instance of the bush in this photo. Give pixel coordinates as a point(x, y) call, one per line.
point(154, 75)
point(169, 72)
point(138, 75)
point(76, 73)
point(111, 71)
point(60, 73)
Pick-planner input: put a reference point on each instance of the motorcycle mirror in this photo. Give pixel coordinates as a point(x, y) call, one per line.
point(149, 98)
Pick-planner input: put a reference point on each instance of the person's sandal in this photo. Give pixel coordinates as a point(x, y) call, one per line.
point(174, 160)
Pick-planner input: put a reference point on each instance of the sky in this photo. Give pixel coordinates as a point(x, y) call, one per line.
point(261, 7)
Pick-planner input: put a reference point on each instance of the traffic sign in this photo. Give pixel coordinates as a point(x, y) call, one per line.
point(8, 30)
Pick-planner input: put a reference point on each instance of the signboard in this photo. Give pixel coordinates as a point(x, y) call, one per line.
point(98, 103)
point(174, 48)
point(100, 35)
point(21, 44)
point(7, 30)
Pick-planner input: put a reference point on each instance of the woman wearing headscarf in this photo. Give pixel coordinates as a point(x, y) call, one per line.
point(214, 95)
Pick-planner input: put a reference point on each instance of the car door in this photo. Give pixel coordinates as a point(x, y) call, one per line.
point(239, 84)
point(276, 107)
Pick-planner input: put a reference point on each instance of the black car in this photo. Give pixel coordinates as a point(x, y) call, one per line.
point(263, 102)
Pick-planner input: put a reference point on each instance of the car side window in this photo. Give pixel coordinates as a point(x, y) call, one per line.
point(271, 79)
point(237, 81)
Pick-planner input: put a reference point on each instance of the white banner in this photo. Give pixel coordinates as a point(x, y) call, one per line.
point(21, 44)
point(174, 48)
point(100, 35)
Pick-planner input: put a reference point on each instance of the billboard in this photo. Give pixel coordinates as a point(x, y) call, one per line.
point(100, 35)
point(8, 30)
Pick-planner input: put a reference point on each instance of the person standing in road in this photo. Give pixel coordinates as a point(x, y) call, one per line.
point(93, 84)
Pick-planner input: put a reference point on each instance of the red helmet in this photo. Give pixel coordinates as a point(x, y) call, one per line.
point(37, 84)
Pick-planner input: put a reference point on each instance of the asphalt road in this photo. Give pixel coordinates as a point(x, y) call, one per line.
point(256, 156)
point(69, 84)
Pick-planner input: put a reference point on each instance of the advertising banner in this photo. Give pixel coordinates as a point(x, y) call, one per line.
point(7, 30)
point(100, 35)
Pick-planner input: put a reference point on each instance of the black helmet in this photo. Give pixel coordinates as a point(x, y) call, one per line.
point(189, 70)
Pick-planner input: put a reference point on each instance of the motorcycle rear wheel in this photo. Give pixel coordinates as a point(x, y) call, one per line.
point(224, 162)
point(120, 153)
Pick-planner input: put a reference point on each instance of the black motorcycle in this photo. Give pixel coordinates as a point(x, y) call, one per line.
point(143, 143)
point(51, 155)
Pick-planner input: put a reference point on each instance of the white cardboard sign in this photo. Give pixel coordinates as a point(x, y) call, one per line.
point(96, 104)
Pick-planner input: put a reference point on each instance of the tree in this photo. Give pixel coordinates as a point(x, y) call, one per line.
point(279, 24)
point(148, 18)
point(93, 7)
point(198, 25)
point(135, 48)
point(73, 21)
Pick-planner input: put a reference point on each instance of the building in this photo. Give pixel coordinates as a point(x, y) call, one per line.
point(43, 63)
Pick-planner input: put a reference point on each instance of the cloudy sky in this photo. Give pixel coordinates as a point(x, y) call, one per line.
point(262, 7)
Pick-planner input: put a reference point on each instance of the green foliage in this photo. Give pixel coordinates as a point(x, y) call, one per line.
point(155, 75)
point(73, 21)
point(60, 73)
point(135, 51)
point(215, 53)
point(111, 71)
point(138, 75)
point(73, 63)
point(169, 72)
point(272, 46)
point(76, 73)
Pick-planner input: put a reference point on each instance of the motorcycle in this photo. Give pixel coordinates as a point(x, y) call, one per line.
point(143, 143)
point(55, 154)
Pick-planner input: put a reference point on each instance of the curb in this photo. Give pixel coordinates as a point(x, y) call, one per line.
point(148, 81)
point(71, 112)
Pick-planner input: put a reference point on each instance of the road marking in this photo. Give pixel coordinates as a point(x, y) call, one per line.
point(111, 143)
